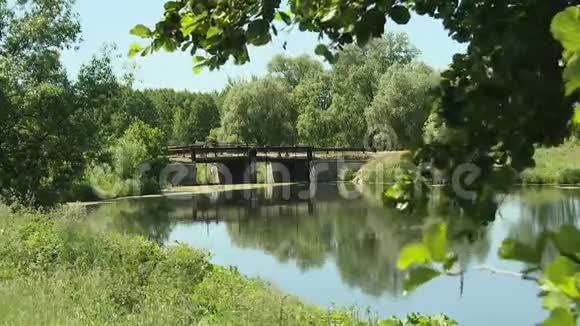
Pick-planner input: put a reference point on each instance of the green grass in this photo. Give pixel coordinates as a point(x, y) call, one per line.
point(559, 165)
point(56, 271)
point(554, 166)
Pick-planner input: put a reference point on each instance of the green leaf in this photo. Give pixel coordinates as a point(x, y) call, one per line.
point(169, 45)
point(213, 31)
point(198, 68)
point(560, 317)
point(199, 58)
point(147, 50)
point(419, 276)
point(363, 32)
point(323, 50)
point(513, 250)
point(572, 74)
point(413, 254)
point(450, 262)
point(188, 24)
point(556, 300)
point(400, 15)
point(566, 28)
point(172, 5)
point(141, 31)
point(158, 44)
point(567, 239)
point(576, 118)
point(330, 15)
point(282, 16)
point(258, 32)
point(435, 239)
point(134, 49)
point(377, 21)
point(562, 273)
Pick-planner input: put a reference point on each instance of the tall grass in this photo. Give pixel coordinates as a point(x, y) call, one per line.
point(56, 271)
point(558, 165)
point(554, 166)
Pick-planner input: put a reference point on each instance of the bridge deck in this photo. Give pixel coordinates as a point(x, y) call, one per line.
point(225, 153)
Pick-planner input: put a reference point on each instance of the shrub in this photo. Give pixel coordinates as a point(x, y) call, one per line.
point(569, 176)
point(134, 169)
point(55, 270)
point(559, 165)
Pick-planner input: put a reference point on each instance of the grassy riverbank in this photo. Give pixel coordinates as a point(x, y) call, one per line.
point(554, 166)
point(558, 166)
point(54, 270)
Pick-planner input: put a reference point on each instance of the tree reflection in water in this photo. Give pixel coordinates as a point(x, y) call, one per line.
point(542, 210)
point(149, 218)
point(360, 236)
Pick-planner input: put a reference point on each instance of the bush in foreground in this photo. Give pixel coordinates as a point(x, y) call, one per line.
point(54, 270)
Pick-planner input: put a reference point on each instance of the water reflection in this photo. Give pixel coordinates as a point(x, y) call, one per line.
point(541, 210)
point(361, 236)
point(301, 238)
point(149, 218)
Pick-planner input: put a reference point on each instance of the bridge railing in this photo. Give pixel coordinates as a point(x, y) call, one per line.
point(244, 148)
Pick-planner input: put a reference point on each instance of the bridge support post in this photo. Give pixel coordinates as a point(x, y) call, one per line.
point(309, 157)
point(191, 179)
point(252, 170)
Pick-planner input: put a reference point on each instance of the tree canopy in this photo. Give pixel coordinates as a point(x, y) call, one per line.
point(498, 91)
point(39, 118)
point(399, 111)
point(259, 112)
point(294, 70)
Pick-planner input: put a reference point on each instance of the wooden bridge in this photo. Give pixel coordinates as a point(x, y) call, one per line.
point(236, 164)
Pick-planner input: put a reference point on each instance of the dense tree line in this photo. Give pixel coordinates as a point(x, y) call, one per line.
point(62, 136)
point(379, 96)
point(497, 91)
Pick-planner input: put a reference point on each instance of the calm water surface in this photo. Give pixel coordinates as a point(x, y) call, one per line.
point(328, 250)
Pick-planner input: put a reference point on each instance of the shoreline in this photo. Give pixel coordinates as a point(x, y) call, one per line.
point(185, 190)
point(207, 189)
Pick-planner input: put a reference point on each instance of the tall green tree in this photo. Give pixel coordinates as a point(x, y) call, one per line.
point(498, 90)
point(294, 70)
point(312, 97)
point(260, 112)
point(184, 116)
point(40, 144)
point(359, 69)
point(96, 87)
point(404, 101)
point(355, 83)
point(193, 122)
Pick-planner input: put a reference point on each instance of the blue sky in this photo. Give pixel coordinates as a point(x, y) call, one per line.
point(109, 21)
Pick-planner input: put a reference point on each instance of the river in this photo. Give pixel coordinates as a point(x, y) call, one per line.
point(335, 245)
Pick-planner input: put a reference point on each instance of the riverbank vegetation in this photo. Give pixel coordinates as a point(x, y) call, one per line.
point(383, 169)
point(380, 96)
point(553, 166)
point(558, 165)
point(55, 270)
point(95, 136)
